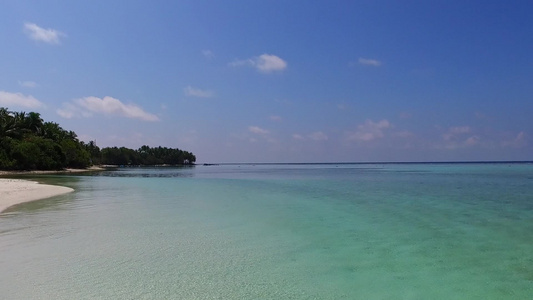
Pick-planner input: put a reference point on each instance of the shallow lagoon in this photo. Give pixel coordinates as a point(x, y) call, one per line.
point(345, 231)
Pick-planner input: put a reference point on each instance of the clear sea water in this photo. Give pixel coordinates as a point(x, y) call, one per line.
point(347, 231)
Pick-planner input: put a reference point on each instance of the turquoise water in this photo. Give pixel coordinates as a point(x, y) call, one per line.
point(391, 231)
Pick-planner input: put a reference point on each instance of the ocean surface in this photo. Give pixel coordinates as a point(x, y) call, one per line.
point(332, 231)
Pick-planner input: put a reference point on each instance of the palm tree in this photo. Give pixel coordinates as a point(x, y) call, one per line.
point(8, 124)
point(33, 122)
point(5, 121)
point(16, 124)
point(51, 130)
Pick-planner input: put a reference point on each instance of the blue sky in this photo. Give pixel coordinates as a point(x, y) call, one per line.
point(279, 81)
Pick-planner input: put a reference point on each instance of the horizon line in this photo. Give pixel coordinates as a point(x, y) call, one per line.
point(372, 162)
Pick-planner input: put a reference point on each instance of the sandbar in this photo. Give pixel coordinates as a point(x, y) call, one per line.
point(15, 191)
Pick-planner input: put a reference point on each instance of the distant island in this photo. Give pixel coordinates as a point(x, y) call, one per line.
point(28, 143)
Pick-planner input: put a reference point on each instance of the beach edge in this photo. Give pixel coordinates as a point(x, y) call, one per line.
point(7, 174)
point(17, 191)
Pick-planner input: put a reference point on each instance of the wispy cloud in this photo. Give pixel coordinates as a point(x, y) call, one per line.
point(275, 118)
point(318, 136)
point(520, 140)
point(268, 63)
point(208, 54)
point(404, 134)
point(369, 62)
point(405, 115)
point(298, 137)
point(36, 33)
point(453, 133)
point(258, 130)
point(86, 107)
point(472, 141)
point(70, 111)
point(265, 63)
point(369, 131)
point(460, 137)
point(18, 100)
point(195, 92)
point(342, 106)
point(28, 84)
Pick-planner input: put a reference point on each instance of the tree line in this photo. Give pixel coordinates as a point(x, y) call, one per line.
point(27, 142)
point(144, 156)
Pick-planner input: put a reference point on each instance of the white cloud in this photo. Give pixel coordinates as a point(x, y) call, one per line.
point(28, 84)
point(265, 63)
point(39, 34)
point(195, 92)
point(242, 62)
point(275, 118)
point(453, 133)
point(462, 142)
point(17, 99)
point(518, 141)
point(369, 131)
point(472, 141)
point(342, 106)
point(318, 136)
point(405, 115)
point(85, 107)
point(369, 62)
point(404, 134)
point(460, 129)
point(71, 110)
point(481, 116)
point(257, 130)
point(68, 111)
point(268, 63)
point(298, 137)
point(460, 137)
point(208, 54)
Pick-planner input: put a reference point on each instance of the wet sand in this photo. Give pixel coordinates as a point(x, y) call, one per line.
point(16, 191)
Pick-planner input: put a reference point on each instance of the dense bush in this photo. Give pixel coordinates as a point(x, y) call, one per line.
point(146, 156)
point(29, 143)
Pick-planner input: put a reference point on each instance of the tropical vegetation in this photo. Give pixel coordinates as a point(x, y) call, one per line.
point(146, 156)
point(27, 142)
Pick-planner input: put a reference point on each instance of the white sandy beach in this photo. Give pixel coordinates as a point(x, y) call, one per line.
point(15, 191)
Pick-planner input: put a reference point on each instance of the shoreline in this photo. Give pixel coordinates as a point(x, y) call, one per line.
point(16, 191)
point(6, 174)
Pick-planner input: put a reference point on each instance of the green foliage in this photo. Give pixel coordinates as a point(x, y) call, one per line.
point(76, 155)
point(6, 161)
point(51, 156)
point(115, 156)
point(37, 153)
point(26, 154)
point(29, 143)
point(94, 152)
point(146, 156)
